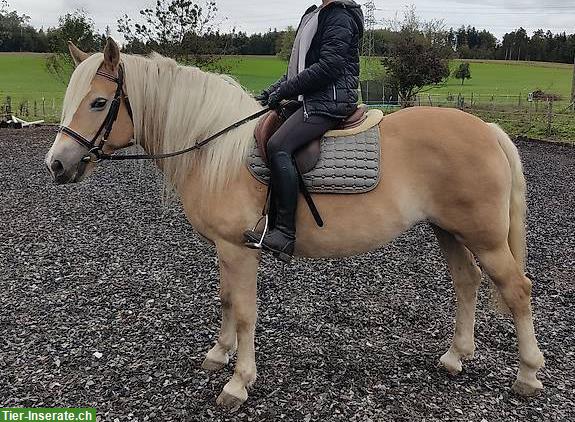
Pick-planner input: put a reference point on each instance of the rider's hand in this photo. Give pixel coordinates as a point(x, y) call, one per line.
point(274, 101)
point(263, 98)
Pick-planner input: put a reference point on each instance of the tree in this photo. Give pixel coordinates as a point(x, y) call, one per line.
point(418, 58)
point(286, 41)
point(16, 33)
point(76, 26)
point(175, 28)
point(463, 72)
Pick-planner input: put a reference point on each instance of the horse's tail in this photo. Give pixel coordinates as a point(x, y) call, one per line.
point(517, 205)
point(517, 201)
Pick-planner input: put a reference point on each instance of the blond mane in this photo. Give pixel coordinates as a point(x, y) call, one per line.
point(174, 106)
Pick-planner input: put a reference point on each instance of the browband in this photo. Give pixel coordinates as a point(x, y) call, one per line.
point(111, 78)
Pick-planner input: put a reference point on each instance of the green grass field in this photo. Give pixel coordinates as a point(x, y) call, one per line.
point(255, 72)
point(24, 77)
point(512, 78)
point(25, 74)
point(488, 77)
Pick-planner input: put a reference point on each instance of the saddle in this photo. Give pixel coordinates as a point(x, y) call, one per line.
point(307, 157)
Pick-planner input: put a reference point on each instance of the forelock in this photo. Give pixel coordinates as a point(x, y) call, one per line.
point(79, 86)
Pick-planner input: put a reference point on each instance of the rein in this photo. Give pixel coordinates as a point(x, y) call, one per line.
point(96, 153)
point(197, 145)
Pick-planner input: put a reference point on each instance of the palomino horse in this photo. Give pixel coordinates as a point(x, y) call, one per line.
point(444, 166)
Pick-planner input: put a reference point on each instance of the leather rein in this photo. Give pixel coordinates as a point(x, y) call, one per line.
point(95, 151)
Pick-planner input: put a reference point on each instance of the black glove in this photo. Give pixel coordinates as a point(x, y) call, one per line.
point(263, 98)
point(274, 101)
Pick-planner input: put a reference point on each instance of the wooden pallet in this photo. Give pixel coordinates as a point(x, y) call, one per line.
point(15, 122)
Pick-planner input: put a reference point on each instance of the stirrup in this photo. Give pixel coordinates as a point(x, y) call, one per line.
point(259, 244)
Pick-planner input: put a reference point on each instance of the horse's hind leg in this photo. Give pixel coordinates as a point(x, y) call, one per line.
point(515, 289)
point(466, 277)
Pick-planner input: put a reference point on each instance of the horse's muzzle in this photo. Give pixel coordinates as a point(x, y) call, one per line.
point(61, 176)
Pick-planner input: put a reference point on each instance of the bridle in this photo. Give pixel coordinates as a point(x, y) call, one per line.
point(96, 151)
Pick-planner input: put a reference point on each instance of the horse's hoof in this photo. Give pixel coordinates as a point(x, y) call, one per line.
point(232, 400)
point(451, 363)
point(527, 388)
point(213, 365)
point(216, 358)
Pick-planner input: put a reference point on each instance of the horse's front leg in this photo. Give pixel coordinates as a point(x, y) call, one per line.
point(238, 271)
point(226, 345)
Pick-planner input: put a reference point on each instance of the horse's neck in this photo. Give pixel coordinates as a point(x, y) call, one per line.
point(171, 122)
point(204, 123)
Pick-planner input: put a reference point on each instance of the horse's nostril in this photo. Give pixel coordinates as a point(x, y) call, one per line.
point(57, 168)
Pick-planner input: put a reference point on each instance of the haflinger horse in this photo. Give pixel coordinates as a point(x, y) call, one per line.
point(443, 166)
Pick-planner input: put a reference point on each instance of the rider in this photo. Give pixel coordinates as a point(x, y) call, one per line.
point(323, 76)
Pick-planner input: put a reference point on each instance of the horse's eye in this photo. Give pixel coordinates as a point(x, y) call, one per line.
point(99, 103)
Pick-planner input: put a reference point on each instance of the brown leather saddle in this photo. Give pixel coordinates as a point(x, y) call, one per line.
point(307, 157)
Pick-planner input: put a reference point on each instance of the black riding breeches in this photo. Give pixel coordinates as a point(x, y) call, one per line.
point(296, 132)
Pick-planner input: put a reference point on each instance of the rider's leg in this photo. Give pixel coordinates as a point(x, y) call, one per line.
point(294, 134)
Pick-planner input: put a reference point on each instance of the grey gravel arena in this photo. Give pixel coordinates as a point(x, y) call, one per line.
point(110, 300)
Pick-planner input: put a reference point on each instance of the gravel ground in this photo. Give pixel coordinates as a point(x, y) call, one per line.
point(109, 300)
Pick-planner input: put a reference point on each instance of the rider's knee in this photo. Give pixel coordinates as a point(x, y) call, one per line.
point(277, 144)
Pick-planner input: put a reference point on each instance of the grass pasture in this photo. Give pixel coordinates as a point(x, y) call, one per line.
point(489, 77)
point(24, 78)
point(497, 91)
point(511, 78)
point(255, 72)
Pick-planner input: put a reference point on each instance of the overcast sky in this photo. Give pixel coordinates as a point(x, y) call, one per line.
point(498, 16)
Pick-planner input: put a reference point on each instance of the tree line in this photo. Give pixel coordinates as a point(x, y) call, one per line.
point(469, 43)
point(16, 33)
point(195, 30)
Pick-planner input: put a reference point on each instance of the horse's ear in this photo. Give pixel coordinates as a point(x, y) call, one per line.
point(111, 55)
point(77, 55)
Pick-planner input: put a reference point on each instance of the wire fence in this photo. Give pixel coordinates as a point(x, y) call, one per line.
point(520, 115)
point(30, 107)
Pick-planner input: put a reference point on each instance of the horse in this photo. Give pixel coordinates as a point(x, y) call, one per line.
point(443, 166)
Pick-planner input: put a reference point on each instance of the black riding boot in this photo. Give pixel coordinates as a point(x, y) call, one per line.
point(280, 240)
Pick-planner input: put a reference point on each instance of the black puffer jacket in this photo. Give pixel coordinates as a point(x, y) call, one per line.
point(330, 81)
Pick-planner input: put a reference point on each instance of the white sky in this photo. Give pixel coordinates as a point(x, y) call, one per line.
point(498, 16)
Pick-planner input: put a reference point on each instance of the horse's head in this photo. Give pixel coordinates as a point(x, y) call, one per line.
point(96, 115)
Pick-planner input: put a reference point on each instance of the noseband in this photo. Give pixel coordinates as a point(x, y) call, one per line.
point(95, 152)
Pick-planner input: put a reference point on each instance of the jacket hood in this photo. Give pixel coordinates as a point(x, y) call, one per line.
point(355, 11)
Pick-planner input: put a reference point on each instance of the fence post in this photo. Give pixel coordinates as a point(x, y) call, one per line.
point(549, 116)
point(573, 87)
point(44, 107)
